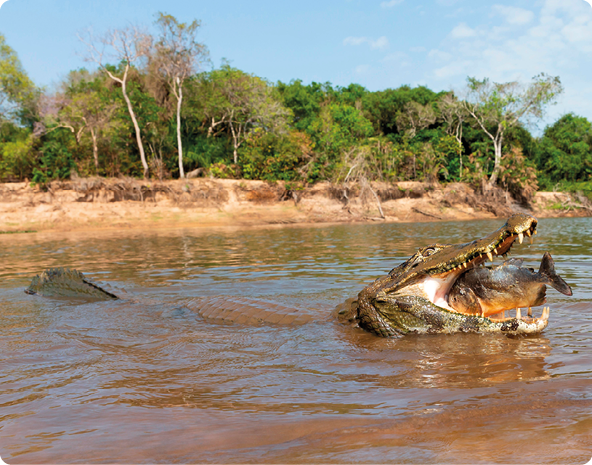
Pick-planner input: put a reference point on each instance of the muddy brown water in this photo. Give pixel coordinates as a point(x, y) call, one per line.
point(145, 380)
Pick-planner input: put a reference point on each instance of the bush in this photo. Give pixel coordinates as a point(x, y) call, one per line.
point(17, 159)
point(518, 175)
point(202, 152)
point(56, 162)
point(271, 157)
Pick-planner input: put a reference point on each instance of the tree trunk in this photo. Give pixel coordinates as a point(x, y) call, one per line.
point(95, 149)
point(179, 143)
point(497, 145)
point(234, 142)
point(136, 126)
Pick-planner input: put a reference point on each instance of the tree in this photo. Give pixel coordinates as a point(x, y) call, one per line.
point(383, 108)
point(565, 151)
point(177, 56)
point(127, 46)
point(18, 94)
point(415, 117)
point(304, 101)
point(497, 107)
point(453, 114)
point(241, 102)
point(90, 113)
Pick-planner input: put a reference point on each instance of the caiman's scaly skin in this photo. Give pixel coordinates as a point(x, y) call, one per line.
point(410, 299)
point(63, 282)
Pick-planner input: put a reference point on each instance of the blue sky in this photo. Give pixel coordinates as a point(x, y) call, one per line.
point(376, 43)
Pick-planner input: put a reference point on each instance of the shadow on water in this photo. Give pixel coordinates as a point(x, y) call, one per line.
point(148, 380)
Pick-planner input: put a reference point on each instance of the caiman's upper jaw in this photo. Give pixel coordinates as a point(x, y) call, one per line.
point(439, 260)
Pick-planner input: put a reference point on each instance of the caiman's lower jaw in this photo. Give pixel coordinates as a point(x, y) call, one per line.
point(528, 319)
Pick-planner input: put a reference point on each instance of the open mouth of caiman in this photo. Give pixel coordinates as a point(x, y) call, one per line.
point(437, 267)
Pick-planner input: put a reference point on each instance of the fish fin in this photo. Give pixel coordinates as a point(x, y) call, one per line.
point(547, 269)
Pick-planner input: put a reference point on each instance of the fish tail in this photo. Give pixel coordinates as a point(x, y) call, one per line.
point(547, 270)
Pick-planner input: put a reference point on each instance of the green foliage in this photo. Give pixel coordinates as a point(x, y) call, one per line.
point(17, 159)
point(223, 171)
point(337, 129)
point(55, 160)
point(565, 151)
point(273, 158)
point(577, 187)
point(18, 94)
point(304, 101)
point(382, 108)
point(450, 153)
point(202, 151)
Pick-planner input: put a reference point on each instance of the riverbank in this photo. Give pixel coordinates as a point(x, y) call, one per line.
point(97, 203)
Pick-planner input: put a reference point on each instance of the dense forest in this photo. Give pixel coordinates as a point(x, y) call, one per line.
point(155, 108)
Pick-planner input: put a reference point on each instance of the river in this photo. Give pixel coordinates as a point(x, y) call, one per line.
point(146, 380)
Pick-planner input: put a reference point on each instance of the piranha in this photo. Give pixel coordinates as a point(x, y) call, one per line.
point(486, 291)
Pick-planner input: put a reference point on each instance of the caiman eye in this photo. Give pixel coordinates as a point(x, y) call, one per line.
point(428, 252)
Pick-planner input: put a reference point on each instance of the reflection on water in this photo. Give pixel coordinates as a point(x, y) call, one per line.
point(147, 380)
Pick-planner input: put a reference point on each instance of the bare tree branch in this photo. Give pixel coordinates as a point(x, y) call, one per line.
point(126, 46)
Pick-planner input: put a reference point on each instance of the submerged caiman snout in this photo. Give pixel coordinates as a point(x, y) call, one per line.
point(413, 296)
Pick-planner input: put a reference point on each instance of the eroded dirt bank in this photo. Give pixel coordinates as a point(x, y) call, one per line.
point(98, 203)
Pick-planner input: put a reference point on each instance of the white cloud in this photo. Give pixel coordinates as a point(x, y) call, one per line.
point(462, 31)
point(354, 40)
point(439, 55)
point(390, 3)
point(380, 43)
point(396, 56)
point(362, 69)
point(589, 2)
point(555, 39)
point(452, 70)
point(2, 2)
point(514, 15)
point(397, 59)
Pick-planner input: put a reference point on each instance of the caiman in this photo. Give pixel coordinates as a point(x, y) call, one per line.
point(412, 298)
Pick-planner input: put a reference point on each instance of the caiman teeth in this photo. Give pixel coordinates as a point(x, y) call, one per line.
point(545, 315)
point(490, 256)
point(520, 237)
point(518, 314)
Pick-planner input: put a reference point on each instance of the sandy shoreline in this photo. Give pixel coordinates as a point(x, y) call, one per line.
point(103, 204)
